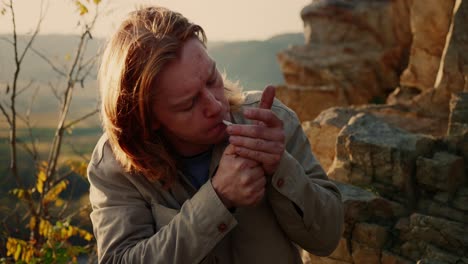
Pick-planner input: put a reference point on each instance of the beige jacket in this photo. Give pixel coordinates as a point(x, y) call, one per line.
point(137, 221)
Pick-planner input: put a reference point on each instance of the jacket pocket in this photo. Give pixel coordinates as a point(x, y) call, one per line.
point(162, 215)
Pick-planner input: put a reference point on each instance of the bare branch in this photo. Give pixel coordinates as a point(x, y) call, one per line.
point(13, 128)
point(7, 117)
point(71, 81)
point(52, 65)
point(55, 92)
point(15, 37)
point(7, 40)
point(36, 31)
point(72, 123)
point(70, 196)
point(25, 87)
point(34, 151)
point(88, 66)
point(27, 148)
point(78, 153)
point(31, 103)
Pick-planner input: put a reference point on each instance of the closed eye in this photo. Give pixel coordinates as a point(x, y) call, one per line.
point(213, 80)
point(192, 104)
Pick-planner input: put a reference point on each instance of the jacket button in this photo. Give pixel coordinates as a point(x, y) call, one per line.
point(222, 227)
point(280, 183)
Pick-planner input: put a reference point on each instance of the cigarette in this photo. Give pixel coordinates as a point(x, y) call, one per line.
point(227, 123)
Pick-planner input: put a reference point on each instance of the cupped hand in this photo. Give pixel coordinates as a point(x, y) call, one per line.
point(263, 141)
point(239, 181)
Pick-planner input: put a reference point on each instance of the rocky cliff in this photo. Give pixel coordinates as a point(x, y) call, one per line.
point(382, 89)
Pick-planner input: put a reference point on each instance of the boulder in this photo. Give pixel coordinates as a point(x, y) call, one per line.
point(458, 121)
point(323, 131)
point(442, 172)
point(372, 235)
point(354, 53)
point(361, 205)
point(371, 152)
point(434, 255)
point(445, 210)
point(448, 235)
point(428, 41)
point(364, 254)
point(390, 258)
point(452, 76)
point(372, 23)
point(458, 201)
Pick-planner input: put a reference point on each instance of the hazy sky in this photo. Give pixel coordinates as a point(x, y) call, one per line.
point(221, 19)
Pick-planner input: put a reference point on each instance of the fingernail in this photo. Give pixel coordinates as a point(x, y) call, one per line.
point(247, 111)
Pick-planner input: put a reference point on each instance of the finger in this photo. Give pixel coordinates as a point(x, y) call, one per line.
point(268, 97)
point(259, 184)
point(257, 144)
point(247, 163)
point(229, 150)
point(261, 157)
point(255, 131)
point(263, 115)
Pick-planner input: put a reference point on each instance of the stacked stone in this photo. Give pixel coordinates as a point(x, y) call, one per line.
point(408, 199)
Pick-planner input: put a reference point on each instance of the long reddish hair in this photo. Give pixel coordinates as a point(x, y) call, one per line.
point(146, 41)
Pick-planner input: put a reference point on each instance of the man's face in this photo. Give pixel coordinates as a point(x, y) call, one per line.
point(189, 103)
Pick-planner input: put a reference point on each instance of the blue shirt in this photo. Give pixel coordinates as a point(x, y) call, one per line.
point(197, 167)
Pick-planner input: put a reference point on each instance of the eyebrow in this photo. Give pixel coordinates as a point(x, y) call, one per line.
point(188, 98)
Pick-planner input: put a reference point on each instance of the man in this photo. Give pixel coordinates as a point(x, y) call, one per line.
point(171, 183)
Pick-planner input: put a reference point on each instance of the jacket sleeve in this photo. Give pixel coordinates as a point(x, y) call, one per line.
point(307, 205)
point(126, 230)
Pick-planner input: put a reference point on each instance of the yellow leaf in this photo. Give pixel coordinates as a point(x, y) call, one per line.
point(45, 228)
point(59, 202)
point(32, 222)
point(88, 237)
point(41, 178)
point(81, 8)
point(42, 175)
point(97, 2)
point(28, 254)
point(18, 193)
point(11, 246)
point(17, 252)
point(55, 191)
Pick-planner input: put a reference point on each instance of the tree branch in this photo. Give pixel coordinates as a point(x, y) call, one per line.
point(72, 123)
point(25, 87)
point(52, 65)
point(7, 117)
point(55, 92)
point(36, 31)
point(71, 81)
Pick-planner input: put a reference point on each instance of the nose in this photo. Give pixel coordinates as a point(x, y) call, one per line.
point(212, 106)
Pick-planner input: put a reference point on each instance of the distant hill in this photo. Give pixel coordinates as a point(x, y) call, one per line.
point(253, 63)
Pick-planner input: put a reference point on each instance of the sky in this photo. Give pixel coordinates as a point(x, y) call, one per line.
point(223, 20)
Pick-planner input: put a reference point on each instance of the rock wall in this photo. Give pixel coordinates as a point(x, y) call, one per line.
point(405, 194)
point(402, 167)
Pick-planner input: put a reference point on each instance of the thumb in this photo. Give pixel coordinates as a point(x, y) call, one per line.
point(268, 97)
point(230, 150)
